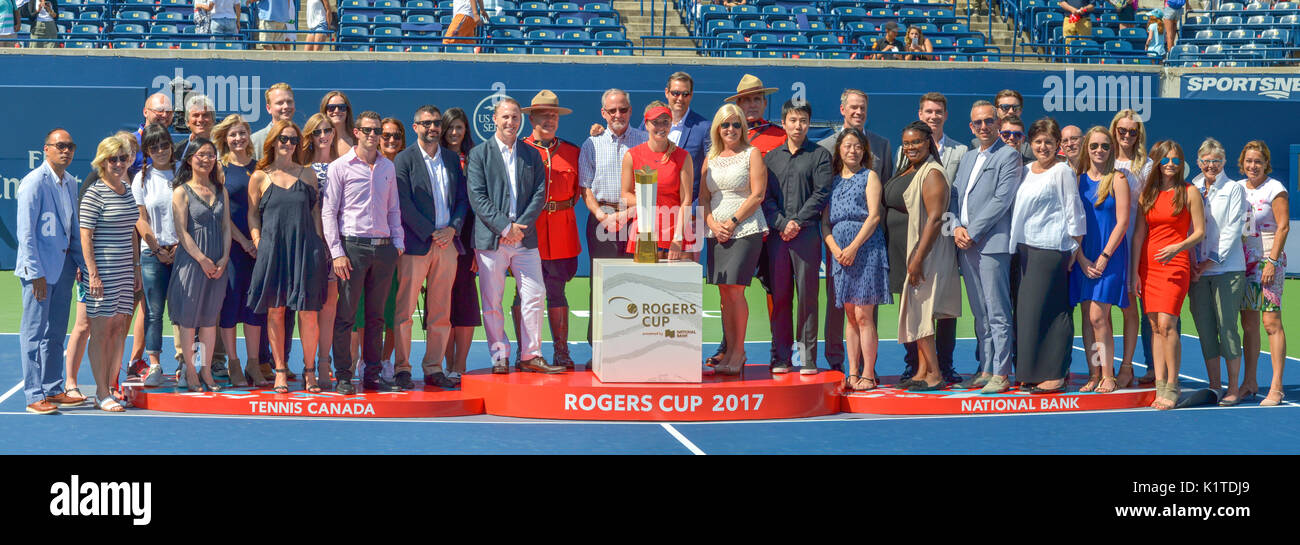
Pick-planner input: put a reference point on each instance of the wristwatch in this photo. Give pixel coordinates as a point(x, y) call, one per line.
point(734, 221)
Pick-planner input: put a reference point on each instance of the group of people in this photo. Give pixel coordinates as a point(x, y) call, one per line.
point(341, 227)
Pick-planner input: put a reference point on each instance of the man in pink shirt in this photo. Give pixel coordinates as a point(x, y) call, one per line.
point(362, 220)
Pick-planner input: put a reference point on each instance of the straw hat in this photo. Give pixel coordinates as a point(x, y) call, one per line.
point(546, 100)
point(750, 85)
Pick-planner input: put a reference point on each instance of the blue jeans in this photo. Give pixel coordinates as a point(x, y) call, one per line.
point(156, 276)
point(226, 26)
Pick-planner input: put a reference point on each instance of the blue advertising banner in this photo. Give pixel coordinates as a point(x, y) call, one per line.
point(1267, 87)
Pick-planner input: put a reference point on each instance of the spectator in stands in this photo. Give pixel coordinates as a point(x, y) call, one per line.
point(199, 119)
point(466, 16)
point(1078, 19)
point(1013, 132)
point(799, 184)
point(232, 136)
point(1127, 13)
point(1267, 226)
point(917, 43)
point(1172, 13)
point(430, 190)
point(1070, 137)
point(8, 23)
point(1219, 276)
point(338, 108)
point(730, 201)
point(884, 47)
point(319, 16)
point(393, 139)
point(853, 107)
point(202, 18)
point(279, 106)
point(1129, 135)
point(49, 252)
point(43, 21)
point(275, 17)
point(250, 7)
point(465, 314)
point(225, 20)
point(732, 3)
point(934, 113)
point(152, 188)
point(1156, 46)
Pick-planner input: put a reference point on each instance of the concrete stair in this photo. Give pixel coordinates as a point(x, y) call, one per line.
point(638, 25)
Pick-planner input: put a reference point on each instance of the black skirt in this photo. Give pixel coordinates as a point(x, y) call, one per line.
point(733, 262)
point(1044, 317)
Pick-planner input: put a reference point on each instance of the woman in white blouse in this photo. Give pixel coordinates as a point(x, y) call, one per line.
point(1047, 225)
point(152, 189)
point(1219, 272)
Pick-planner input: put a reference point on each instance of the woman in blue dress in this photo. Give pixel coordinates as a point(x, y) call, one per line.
point(234, 143)
point(856, 240)
point(1099, 277)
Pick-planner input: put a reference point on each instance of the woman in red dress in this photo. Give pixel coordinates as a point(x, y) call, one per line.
point(1169, 205)
point(673, 200)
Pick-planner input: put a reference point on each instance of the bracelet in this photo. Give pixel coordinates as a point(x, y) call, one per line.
point(1105, 255)
point(1272, 261)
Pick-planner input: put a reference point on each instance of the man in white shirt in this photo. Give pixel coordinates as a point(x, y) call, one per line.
point(43, 25)
point(466, 15)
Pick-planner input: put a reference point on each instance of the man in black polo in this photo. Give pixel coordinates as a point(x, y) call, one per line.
point(798, 187)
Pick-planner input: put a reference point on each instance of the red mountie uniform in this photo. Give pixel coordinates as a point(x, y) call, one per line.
point(557, 228)
point(766, 136)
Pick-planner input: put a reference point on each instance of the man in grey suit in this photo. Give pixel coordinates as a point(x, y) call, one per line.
point(1010, 102)
point(507, 187)
point(934, 113)
point(853, 106)
point(982, 197)
point(433, 214)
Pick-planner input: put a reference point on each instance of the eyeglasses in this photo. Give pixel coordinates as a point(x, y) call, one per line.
point(390, 136)
point(336, 107)
point(612, 111)
point(680, 94)
point(990, 121)
point(293, 140)
point(119, 159)
point(1013, 135)
point(322, 131)
point(913, 143)
point(1211, 162)
point(1008, 107)
point(369, 131)
point(205, 156)
point(66, 146)
point(731, 125)
point(1167, 160)
point(1121, 131)
point(1099, 145)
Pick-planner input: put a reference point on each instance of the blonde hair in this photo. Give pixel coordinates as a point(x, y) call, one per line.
point(1151, 188)
point(727, 111)
point(1211, 147)
point(1082, 161)
point(1262, 148)
point(307, 143)
point(1139, 147)
point(222, 130)
point(111, 146)
point(282, 86)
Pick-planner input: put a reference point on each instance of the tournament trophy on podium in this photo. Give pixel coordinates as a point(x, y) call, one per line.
point(647, 188)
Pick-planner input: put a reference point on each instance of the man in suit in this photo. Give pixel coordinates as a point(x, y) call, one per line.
point(798, 186)
point(433, 214)
point(934, 113)
point(690, 130)
point(853, 106)
point(1010, 102)
point(361, 217)
point(507, 189)
point(48, 261)
point(279, 105)
point(982, 197)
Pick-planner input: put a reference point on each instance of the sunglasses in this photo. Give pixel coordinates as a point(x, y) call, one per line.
point(390, 136)
point(1013, 135)
point(429, 123)
point(731, 125)
point(1167, 160)
point(69, 146)
point(322, 131)
point(612, 111)
point(119, 159)
point(336, 107)
point(158, 149)
point(1099, 145)
point(1008, 107)
point(989, 122)
point(1125, 132)
point(369, 131)
point(288, 140)
point(680, 94)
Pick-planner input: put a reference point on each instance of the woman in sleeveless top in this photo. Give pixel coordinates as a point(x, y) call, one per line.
point(1099, 278)
point(290, 273)
point(198, 282)
point(1162, 273)
point(1267, 226)
point(673, 198)
point(1128, 140)
point(465, 315)
point(735, 181)
point(233, 140)
point(931, 288)
point(860, 263)
point(318, 150)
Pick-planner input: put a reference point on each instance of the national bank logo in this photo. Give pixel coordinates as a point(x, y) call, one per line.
point(93, 499)
point(1274, 87)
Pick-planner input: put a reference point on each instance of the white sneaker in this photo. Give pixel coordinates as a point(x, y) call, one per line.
point(155, 376)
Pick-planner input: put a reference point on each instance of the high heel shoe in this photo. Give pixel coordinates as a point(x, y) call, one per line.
point(192, 384)
point(236, 376)
point(1270, 401)
point(253, 374)
point(309, 380)
point(281, 388)
point(208, 381)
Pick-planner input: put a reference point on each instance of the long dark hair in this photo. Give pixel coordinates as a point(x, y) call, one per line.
point(837, 162)
point(184, 171)
point(921, 127)
point(450, 116)
point(154, 135)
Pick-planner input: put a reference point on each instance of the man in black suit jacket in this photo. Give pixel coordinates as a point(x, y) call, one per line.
point(433, 213)
point(507, 187)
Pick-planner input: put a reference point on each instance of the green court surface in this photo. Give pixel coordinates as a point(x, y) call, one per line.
point(758, 330)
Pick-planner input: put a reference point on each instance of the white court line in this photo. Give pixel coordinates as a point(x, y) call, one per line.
point(11, 392)
point(682, 439)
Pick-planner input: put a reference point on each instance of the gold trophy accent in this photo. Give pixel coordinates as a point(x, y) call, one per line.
point(647, 187)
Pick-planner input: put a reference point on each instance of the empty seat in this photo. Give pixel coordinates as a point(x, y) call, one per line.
point(1103, 33)
point(134, 15)
point(387, 33)
point(785, 26)
point(1227, 20)
point(537, 21)
point(1239, 35)
point(566, 21)
point(353, 33)
point(386, 20)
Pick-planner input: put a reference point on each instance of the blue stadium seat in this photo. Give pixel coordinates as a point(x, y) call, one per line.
point(128, 30)
point(80, 44)
point(387, 5)
point(1103, 33)
point(567, 21)
point(535, 37)
point(345, 5)
point(1136, 36)
point(850, 13)
point(355, 19)
point(720, 25)
point(611, 38)
point(1119, 47)
point(824, 41)
point(741, 53)
point(389, 48)
point(458, 48)
point(163, 29)
point(604, 23)
point(752, 26)
point(617, 52)
point(507, 36)
point(92, 15)
point(583, 51)
point(1230, 6)
point(775, 12)
point(1228, 20)
point(941, 16)
point(1284, 6)
point(420, 19)
point(134, 15)
point(169, 16)
point(534, 8)
point(763, 39)
point(537, 21)
point(1183, 51)
point(745, 13)
point(783, 26)
point(770, 54)
point(386, 20)
point(836, 55)
point(502, 20)
point(1239, 35)
point(353, 33)
point(420, 6)
point(84, 30)
point(546, 50)
point(575, 36)
point(1256, 6)
point(911, 15)
point(386, 33)
point(424, 48)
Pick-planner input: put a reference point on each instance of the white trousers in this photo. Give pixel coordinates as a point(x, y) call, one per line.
point(526, 265)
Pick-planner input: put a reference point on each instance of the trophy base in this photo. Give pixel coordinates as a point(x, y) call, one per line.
point(647, 250)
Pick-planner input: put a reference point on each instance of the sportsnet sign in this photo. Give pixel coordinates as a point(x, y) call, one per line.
point(1248, 87)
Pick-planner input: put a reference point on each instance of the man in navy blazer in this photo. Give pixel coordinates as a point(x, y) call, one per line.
point(507, 187)
point(690, 130)
point(49, 258)
point(433, 213)
point(982, 197)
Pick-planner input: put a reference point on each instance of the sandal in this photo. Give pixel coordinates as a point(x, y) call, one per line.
point(1160, 393)
point(1090, 385)
point(233, 373)
point(1170, 399)
point(109, 404)
point(1270, 401)
point(281, 388)
point(79, 398)
point(872, 384)
point(1102, 389)
point(714, 360)
point(850, 383)
point(309, 380)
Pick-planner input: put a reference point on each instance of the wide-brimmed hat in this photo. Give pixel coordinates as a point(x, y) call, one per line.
point(546, 100)
point(749, 85)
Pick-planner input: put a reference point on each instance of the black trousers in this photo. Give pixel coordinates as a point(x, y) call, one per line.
point(793, 269)
point(372, 275)
point(598, 249)
point(834, 324)
point(945, 340)
point(1044, 318)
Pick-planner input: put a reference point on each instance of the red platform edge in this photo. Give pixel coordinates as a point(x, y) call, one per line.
point(888, 400)
point(432, 402)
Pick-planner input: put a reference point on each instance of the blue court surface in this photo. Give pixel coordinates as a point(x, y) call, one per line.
point(1245, 429)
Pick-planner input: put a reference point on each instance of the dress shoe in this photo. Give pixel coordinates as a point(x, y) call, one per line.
point(65, 400)
point(403, 380)
point(909, 371)
point(996, 385)
point(501, 368)
point(562, 359)
point(538, 365)
point(380, 385)
point(42, 407)
point(345, 387)
point(439, 379)
point(950, 376)
point(977, 380)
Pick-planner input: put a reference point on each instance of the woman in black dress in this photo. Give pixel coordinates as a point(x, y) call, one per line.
point(465, 314)
point(234, 146)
